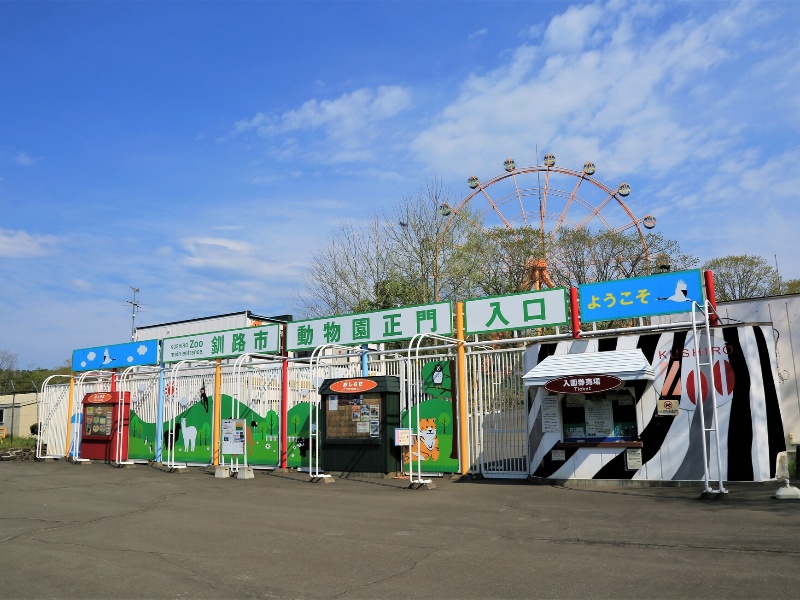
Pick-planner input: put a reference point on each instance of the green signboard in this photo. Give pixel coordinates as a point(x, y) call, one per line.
point(528, 310)
point(222, 344)
point(392, 325)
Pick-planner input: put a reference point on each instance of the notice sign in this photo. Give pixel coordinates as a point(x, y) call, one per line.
point(633, 459)
point(550, 420)
point(668, 408)
point(233, 436)
point(599, 418)
point(402, 437)
point(352, 416)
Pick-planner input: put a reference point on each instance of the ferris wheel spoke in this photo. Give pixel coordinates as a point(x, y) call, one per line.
point(570, 200)
point(595, 212)
point(496, 208)
point(543, 199)
point(521, 205)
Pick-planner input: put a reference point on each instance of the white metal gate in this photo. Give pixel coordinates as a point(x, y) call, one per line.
point(497, 412)
point(53, 416)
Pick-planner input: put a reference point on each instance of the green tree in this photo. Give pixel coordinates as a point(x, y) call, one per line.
point(791, 286)
point(444, 421)
point(205, 433)
point(405, 256)
point(262, 429)
point(743, 276)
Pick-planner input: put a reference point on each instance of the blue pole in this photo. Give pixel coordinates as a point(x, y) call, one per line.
point(364, 367)
point(160, 414)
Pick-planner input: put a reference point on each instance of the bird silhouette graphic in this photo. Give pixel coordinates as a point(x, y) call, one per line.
point(106, 357)
point(681, 293)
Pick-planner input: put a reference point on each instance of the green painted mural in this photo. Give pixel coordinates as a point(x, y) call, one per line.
point(262, 433)
point(437, 444)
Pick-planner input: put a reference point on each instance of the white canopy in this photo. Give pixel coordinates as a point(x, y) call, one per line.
point(626, 364)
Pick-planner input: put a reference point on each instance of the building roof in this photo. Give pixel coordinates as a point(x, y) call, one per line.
point(625, 364)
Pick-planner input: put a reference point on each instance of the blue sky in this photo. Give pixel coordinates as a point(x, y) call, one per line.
point(201, 151)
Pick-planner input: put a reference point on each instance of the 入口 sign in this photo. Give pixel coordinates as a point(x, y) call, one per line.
point(528, 310)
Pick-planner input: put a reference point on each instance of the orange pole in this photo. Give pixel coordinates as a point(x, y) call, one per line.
point(463, 446)
point(69, 412)
point(217, 412)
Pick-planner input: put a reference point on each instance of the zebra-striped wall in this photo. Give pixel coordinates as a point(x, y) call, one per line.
point(749, 409)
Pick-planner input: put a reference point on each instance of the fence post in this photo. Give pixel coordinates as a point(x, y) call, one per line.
point(69, 413)
point(282, 459)
point(711, 293)
point(463, 450)
point(574, 312)
point(217, 411)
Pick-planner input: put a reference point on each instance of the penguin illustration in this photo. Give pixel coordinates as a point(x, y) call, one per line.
point(438, 375)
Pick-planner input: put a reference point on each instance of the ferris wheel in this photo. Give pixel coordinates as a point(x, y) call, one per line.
point(548, 199)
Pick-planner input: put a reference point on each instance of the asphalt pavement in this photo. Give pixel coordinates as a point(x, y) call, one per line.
point(94, 531)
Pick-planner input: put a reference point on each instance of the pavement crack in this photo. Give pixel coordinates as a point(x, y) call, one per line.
point(400, 573)
point(68, 524)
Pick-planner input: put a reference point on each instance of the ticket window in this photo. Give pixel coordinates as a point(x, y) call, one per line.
point(602, 417)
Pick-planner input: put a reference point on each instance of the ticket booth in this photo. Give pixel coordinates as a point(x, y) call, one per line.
point(104, 413)
point(358, 419)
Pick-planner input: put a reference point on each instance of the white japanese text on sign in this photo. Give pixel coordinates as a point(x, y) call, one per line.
point(222, 344)
point(392, 325)
point(528, 310)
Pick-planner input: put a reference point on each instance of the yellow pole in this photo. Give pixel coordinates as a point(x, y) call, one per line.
point(463, 454)
point(69, 412)
point(217, 425)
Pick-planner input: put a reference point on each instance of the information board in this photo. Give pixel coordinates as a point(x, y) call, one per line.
point(353, 416)
point(97, 420)
point(599, 418)
point(233, 436)
point(550, 421)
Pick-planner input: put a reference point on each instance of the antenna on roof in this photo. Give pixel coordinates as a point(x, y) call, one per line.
point(134, 306)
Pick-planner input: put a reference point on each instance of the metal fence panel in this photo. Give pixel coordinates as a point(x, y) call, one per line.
point(497, 413)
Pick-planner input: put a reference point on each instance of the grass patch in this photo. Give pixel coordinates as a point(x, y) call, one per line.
point(28, 442)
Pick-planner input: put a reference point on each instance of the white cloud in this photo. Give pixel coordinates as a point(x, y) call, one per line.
point(232, 256)
point(21, 244)
point(81, 284)
point(571, 30)
point(25, 160)
point(602, 85)
point(351, 124)
point(478, 34)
